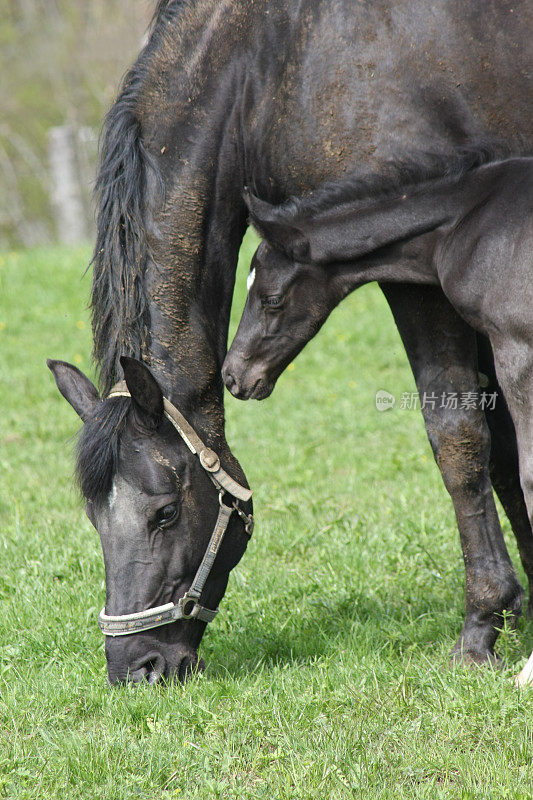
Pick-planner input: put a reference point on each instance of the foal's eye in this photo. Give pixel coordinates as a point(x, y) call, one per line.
point(166, 515)
point(272, 301)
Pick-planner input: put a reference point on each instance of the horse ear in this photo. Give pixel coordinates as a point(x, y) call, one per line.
point(274, 226)
point(75, 387)
point(145, 392)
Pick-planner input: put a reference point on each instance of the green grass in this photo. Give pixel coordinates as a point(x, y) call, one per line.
point(327, 667)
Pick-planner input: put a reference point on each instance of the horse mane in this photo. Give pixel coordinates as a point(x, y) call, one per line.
point(128, 181)
point(98, 445)
point(396, 177)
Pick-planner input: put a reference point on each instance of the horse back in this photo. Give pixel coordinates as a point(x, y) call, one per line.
point(351, 85)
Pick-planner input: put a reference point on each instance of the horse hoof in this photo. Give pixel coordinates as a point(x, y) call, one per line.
point(471, 659)
point(525, 677)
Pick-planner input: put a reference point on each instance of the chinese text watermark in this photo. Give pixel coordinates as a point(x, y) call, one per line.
point(451, 401)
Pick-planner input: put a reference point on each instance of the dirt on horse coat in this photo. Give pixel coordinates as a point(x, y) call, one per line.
point(278, 95)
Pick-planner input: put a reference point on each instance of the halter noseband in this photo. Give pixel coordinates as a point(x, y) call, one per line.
point(187, 606)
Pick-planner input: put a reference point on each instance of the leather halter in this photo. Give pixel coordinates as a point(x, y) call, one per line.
point(187, 606)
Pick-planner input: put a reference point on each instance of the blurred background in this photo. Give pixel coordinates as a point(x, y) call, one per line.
point(61, 62)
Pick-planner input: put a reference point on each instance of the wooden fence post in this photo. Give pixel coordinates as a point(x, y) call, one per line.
point(66, 189)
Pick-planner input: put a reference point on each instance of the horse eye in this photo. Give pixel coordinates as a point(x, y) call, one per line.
point(164, 516)
point(272, 301)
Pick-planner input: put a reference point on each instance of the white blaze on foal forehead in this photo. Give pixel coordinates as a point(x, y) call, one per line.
point(250, 279)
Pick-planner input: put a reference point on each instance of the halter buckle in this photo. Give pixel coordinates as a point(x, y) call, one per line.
point(209, 460)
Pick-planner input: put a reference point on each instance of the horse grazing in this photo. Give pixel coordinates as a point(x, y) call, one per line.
point(279, 95)
point(476, 232)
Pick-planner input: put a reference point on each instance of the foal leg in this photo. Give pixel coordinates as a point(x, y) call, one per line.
point(504, 464)
point(442, 352)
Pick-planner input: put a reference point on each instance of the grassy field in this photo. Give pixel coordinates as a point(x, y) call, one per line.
point(327, 669)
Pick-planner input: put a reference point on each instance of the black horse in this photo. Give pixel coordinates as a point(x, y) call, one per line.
point(279, 95)
point(475, 231)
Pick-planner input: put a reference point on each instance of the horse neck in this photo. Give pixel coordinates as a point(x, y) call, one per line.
point(407, 230)
point(189, 286)
point(197, 231)
point(357, 229)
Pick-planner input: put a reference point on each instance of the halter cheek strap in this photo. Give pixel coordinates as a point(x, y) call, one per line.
point(187, 607)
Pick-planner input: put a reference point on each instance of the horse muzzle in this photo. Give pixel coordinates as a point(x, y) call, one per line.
point(141, 659)
point(246, 383)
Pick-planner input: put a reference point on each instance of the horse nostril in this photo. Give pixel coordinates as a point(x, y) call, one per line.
point(137, 675)
point(154, 677)
point(230, 382)
point(152, 668)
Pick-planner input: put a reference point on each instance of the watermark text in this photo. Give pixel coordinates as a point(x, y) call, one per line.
point(450, 401)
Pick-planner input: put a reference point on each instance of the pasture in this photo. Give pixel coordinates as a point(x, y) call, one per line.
point(327, 667)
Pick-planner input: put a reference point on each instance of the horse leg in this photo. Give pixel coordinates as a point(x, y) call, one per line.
point(442, 352)
point(514, 367)
point(504, 463)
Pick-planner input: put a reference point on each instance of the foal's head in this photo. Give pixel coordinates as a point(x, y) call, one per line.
point(287, 303)
point(291, 291)
point(154, 507)
point(309, 260)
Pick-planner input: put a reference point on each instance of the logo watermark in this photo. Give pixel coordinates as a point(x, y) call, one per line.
point(384, 400)
point(450, 401)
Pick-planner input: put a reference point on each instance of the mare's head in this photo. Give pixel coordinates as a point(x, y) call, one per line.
point(155, 508)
